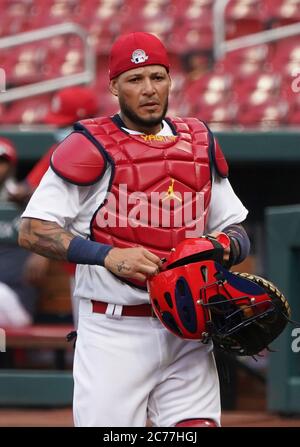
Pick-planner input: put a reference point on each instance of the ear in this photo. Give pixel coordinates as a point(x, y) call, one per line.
point(113, 87)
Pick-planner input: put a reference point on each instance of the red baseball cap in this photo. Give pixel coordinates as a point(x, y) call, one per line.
point(8, 151)
point(136, 50)
point(72, 104)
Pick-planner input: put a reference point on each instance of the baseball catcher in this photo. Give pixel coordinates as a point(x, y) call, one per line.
point(197, 298)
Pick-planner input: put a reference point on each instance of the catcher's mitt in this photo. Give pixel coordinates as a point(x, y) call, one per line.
point(196, 298)
point(256, 332)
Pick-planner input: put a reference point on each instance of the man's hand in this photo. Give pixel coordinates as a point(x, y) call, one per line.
point(135, 263)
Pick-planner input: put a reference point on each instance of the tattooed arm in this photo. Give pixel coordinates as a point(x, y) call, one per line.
point(50, 240)
point(45, 238)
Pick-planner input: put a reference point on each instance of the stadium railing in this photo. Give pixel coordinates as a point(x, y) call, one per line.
point(85, 77)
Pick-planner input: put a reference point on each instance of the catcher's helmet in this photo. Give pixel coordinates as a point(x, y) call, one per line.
point(196, 298)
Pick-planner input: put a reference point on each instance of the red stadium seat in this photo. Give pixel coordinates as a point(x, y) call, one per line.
point(256, 53)
point(100, 11)
point(65, 63)
point(283, 12)
point(244, 17)
point(258, 85)
point(204, 96)
point(287, 56)
point(287, 48)
point(213, 106)
point(147, 9)
point(27, 111)
point(101, 36)
point(223, 115)
point(24, 64)
point(247, 61)
point(13, 16)
point(152, 16)
point(63, 55)
point(191, 9)
point(191, 36)
point(264, 111)
point(209, 82)
point(51, 12)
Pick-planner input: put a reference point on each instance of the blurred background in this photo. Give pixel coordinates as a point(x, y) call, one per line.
point(234, 64)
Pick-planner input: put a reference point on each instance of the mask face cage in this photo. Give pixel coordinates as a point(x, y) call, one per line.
point(228, 317)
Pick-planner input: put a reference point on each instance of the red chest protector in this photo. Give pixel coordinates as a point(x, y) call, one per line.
point(159, 188)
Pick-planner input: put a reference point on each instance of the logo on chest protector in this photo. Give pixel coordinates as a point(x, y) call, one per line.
point(170, 194)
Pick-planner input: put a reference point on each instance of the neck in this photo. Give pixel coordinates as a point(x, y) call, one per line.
point(148, 130)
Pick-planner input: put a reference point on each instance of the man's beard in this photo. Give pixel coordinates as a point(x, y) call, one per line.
point(149, 122)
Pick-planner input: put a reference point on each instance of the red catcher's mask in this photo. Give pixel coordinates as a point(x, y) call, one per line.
point(196, 298)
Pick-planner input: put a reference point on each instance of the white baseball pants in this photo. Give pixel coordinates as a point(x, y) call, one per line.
point(129, 369)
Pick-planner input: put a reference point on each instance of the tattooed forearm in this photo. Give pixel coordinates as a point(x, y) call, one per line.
point(45, 238)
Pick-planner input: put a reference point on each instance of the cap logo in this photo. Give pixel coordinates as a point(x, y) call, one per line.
point(139, 56)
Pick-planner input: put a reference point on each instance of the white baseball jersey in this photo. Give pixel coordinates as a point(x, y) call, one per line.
point(128, 369)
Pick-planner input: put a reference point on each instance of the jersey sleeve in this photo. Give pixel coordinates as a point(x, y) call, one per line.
point(54, 200)
point(225, 206)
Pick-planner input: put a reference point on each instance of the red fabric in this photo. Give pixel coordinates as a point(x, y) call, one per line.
point(28, 110)
point(197, 423)
point(123, 56)
point(192, 35)
point(74, 153)
point(140, 310)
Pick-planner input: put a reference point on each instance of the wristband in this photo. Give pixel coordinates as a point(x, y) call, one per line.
point(238, 234)
point(84, 251)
